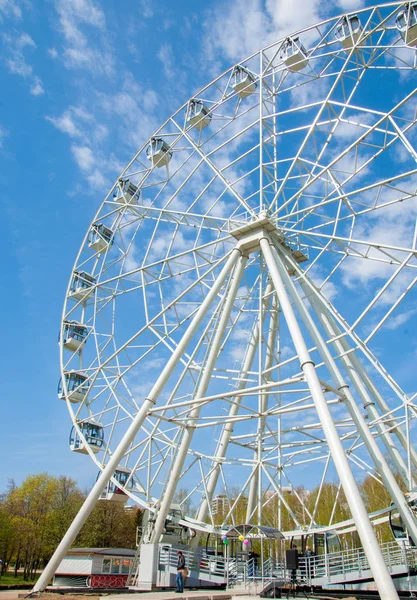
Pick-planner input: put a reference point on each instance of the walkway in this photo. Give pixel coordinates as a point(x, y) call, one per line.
point(171, 595)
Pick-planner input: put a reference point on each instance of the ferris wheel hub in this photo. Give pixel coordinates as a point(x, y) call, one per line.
point(250, 234)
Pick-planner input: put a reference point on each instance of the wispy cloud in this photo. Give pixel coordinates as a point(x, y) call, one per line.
point(77, 122)
point(400, 319)
point(84, 157)
point(77, 52)
point(351, 4)
point(87, 134)
point(146, 9)
point(17, 63)
point(166, 56)
point(10, 8)
point(66, 124)
point(3, 134)
point(236, 29)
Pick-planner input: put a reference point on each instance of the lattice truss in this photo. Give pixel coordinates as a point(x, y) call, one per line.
point(326, 155)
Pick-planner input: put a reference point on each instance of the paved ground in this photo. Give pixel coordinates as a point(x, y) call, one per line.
point(171, 595)
point(13, 594)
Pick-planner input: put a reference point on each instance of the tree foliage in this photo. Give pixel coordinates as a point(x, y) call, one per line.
point(35, 515)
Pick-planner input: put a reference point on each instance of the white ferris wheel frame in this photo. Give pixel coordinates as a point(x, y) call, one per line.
point(268, 222)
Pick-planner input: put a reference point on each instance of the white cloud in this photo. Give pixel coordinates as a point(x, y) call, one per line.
point(237, 29)
point(78, 53)
point(290, 15)
point(135, 109)
point(127, 116)
point(88, 163)
point(398, 320)
point(37, 87)
point(384, 229)
point(16, 61)
point(10, 8)
point(166, 56)
point(329, 289)
point(65, 123)
point(237, 353)
point(53, 53)
point(76, 13)
point(146, 9)
point(3, 134)
point(84, 157)
point(351, 4)
point(97, 180)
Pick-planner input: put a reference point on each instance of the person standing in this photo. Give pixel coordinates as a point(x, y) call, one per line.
point(252, 563)
point(179, 580)
point(309, 562)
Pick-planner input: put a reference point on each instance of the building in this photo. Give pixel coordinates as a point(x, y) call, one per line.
point(219, 505)
point(94, 568)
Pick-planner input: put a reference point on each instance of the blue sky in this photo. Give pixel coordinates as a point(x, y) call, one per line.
point(84, 84)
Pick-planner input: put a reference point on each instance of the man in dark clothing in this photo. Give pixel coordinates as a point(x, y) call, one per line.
point(252, 563)
point(180, 568)
point(309, 558)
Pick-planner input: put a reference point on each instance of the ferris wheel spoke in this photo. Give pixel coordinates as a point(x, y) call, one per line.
point(351, 147)
point(218, 173)
point(310, 133)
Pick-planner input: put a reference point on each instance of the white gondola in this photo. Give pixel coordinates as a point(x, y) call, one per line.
point(82, 285)
point(126, 192)
point(198, 115)
point(243, 82)
point(348, 31)
point(94, 435)
point(406, 22)
point(112, 492)
point(294, 55)
point(158, 152)
point(77, 386)
point(100, 238)
point(73, 335)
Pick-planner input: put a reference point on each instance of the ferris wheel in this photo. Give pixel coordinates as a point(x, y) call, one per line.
point(229, 326)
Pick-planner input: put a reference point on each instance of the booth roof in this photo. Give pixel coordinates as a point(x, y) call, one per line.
point(111, 551)
point(250, 531)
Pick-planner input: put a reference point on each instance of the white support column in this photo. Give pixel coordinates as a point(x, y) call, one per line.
point(229, 427)
point(371, 444)
point(200, 392)
point(253, 495)
point(354, 367)
point(371, 547)
point(355, 373)
point(129, 436)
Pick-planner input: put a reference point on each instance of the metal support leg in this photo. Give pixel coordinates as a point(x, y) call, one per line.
point(228, 428)
point(195, 411)
point(129, 436)
point(355, 376)
point(373, 552)
point(357, 372)
point(257, 477)
point(371, 444)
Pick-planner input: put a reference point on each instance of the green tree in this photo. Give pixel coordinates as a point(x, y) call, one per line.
point(29, 507)
point(376, 496)
point(109, 525)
